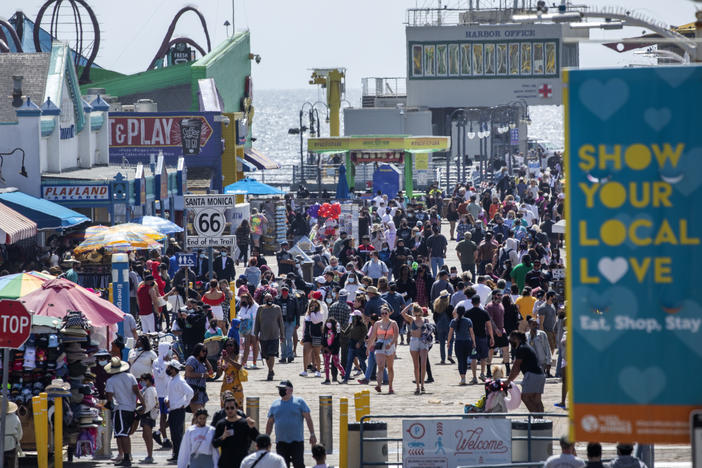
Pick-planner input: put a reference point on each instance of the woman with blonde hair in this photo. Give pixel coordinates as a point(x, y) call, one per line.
point(419, 349)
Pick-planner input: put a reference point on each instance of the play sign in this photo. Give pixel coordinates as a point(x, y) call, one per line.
point(15, 324)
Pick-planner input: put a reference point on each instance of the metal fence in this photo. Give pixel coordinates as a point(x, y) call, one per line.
point(530, 417)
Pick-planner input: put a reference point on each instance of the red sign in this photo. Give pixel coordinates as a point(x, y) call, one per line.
point(153, 131)
point(15, 324)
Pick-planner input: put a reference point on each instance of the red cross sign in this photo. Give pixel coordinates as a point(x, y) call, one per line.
point(545, 91)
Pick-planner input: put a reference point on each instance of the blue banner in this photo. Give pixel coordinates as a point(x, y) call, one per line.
point(634, 170)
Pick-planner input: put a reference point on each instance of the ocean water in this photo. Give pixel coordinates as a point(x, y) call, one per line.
point(276, 111)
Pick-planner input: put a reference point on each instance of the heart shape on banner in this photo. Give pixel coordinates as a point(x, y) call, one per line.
point(643, 231)
point(657, 118)
point(642, 385)
point(613, 300)
point(604, 99)
point(675, 76)
point(689, 309)
point(613, 269)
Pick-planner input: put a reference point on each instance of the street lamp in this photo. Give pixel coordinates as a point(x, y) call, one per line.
point(23, 170)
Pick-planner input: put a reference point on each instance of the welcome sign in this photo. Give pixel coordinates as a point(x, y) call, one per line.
point(634, 170)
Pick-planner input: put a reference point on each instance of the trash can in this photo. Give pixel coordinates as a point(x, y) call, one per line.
point(540, 449)
point(373, 451)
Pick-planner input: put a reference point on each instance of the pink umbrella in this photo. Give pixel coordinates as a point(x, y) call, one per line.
point(56, 297)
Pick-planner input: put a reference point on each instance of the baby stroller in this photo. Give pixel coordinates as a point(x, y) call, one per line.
point(500, 396)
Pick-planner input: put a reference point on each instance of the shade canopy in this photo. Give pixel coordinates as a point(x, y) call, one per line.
point(259, 160)
point(247, 186)
point(47, 214)
point(120, 238)
point(161, 225)
point(19, 284)
point(56, 297)
point(14, 227)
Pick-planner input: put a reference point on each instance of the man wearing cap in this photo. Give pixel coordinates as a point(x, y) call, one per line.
point(13, 434)
point(262, 457)
point(122, 390)
point(287, 413)
point(178, 397)
point(291, 320)
point(286, 262)
point(375, 268)
point(147, 299)
point(269, 329)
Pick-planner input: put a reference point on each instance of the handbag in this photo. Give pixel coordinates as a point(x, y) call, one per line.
point(243, 375)
point(161, 302)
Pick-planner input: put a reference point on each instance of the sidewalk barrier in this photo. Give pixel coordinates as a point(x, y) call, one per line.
point(343, 432)
point(326, 422)
point(252, 410)
point(535, 441)
point(58, 432)
point(362, 404)
point(105, 436)
point(41, 429)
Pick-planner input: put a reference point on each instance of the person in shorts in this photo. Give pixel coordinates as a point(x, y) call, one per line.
point(525, 360)
point(149, 414)
point(122, 391)
point(484, 341)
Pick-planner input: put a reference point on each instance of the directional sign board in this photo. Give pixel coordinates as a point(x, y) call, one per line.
point(185, 260)
point(15, 324)
point(208, 221)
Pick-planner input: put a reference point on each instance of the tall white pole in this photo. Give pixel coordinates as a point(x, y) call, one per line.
point(233, 17)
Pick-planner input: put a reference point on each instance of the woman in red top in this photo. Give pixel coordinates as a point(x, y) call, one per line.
point(214, 298)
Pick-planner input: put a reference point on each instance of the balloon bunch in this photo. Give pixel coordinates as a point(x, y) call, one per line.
point(328, 210)
point(313, 210)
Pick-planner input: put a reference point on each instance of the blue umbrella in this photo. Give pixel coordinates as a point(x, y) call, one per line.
point(159, 224)
point(247, 186)
point(342, 188)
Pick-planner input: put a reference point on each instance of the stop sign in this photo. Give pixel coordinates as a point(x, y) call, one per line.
point(15, 324)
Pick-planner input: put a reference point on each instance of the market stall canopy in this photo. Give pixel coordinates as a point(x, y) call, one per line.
point(260, 160)
point(161, 225)
point(46, 214)
point(19, 284)
point(56, 297)
point(247, 186)
point(14, 227)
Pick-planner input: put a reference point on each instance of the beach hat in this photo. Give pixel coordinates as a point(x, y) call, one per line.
point(116, 366)
point(11, 407)
point(371, 290)
point(58, 386)
point(444, 293)
point(174, 364)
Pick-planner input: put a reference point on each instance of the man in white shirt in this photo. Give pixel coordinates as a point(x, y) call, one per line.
point(178, 397)
point(262, 457)
point(161, 380)
point(483, 290)
point(567, 458)
point(122, 390)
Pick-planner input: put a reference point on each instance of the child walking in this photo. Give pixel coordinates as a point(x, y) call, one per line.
point(330, 348)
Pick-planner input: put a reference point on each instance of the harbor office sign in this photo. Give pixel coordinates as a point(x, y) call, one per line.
point(448, 443)
point(487, 65)
point(138, 136)
point(633, 240)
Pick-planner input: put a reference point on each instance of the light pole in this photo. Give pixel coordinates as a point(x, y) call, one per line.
point(460, 140)
point(301, 131)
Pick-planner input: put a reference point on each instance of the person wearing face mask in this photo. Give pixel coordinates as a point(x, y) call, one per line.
point(312, 338)
point(351, 286)
point(149, 414)
point(178, 396)
point(269, 330)
point(102, 358)
point(197, 450)
point(161, 380)
point(287, 415)
point(248, 310)
point(141, 357)
point(291, 320)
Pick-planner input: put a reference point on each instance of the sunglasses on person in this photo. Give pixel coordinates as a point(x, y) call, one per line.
point(383, 313)
point(230, 408)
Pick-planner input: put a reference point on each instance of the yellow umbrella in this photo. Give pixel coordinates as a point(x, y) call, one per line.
point(117, 241)
point(139, 229)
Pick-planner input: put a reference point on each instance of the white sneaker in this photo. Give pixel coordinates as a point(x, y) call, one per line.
point(317, 374)
point(303, 374)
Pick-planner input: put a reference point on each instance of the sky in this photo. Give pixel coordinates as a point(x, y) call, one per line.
point(365, 36)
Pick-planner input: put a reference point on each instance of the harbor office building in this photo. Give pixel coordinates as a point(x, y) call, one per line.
point(468, 71)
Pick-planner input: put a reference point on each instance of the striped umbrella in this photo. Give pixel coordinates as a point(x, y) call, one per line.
point(19, 284)
point(140, 229)
point(117, 241)
point(161, 225)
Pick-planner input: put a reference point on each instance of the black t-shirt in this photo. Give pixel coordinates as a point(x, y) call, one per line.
point(234, 447)
point(529, 361)
point(284, 268)
point(479, 317)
